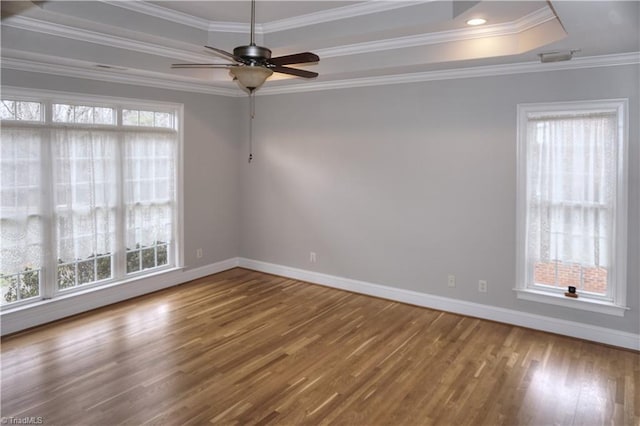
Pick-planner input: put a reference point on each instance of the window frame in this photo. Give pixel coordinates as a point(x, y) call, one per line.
point(615, 301)
point(48, 281)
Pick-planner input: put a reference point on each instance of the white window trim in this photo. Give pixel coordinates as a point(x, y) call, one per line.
point(616, 306)
point(48, 97)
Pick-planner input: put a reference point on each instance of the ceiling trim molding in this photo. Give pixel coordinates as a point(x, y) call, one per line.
point(234, 27)
point(320, 17)
point(337, 14)
point(529, 21)
point(115, 77)
point(451, 74)
point(632, 58)
point(109, 40)
point(162, 13)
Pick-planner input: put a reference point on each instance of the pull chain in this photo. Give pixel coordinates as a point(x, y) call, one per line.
point(252, 114)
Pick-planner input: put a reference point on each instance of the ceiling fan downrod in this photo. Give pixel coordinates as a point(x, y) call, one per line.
point(256, 55)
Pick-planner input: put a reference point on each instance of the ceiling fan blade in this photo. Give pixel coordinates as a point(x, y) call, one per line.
point(296, 58)
point(10, 8)
point(228, 55)
point(180, 66)
point(295, 71)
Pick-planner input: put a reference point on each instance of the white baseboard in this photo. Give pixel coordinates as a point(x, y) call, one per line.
point(553, 325)
point(51, 310)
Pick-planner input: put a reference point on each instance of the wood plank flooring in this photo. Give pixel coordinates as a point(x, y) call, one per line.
point(242, 347)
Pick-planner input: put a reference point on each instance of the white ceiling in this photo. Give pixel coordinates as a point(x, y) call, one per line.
point(359, 42)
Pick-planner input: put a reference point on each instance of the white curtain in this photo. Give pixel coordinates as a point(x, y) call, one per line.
point(571, 180)
point(85, 171)
point(21, 222)
point(149, 187)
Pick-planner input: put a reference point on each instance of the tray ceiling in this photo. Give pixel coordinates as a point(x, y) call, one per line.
point(359, 43)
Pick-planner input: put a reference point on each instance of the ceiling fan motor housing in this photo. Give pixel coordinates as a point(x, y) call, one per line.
point(253, 53)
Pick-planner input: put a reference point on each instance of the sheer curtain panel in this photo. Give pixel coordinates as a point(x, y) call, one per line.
point(571, 197)
point(85, 175)
point(21, 225)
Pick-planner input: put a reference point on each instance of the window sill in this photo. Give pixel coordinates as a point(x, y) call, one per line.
point(579, 303)
point(74, 294)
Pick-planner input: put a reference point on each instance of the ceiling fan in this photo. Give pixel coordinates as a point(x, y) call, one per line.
point(253, 64)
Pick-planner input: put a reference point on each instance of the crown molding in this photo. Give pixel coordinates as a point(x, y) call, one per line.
point(529, 21)
point(115, 77)
point(159, 47)
point(336, 14)
point(81, 34)
point(162, 13)
point(632, 58)
point(323, 16)
point(234, 27)
point(452, 74)
point(329, 15)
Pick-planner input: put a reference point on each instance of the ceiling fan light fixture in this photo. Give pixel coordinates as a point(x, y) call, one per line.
point(250, 76)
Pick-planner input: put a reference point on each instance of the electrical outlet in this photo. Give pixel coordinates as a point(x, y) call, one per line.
point(312, 257)
point(482, 286)
point(451, 280)
point(199, 253)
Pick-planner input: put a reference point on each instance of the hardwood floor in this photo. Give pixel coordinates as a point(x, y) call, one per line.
point(243, 347)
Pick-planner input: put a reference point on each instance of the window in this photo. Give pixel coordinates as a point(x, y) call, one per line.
point(22, 111)
point(572, 204)
point(65, 113)
point(85, 199)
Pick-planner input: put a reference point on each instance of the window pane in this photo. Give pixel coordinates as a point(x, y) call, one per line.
point(129, 117)
point(62, 113)
point(146, 118)
point(9, 285)
point(103, 115)
point(148, 258)
point(103, 266)
point(28, 111)
point(30, 284)
point(66, 276)
point(83, 114)
point(8, 110)
point(20, 286)
point(162, 255)
point(86, 272)
point(163, 119)
point(133, 261)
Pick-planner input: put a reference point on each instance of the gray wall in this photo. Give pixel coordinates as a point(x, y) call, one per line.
point(397, 185)
point(400, 185)
point(211, 180)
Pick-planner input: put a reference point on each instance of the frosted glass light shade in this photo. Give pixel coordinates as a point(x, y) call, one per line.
point(251, 76)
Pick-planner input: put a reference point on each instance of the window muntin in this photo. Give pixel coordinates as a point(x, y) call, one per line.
point(64, 188)
point(132, 117)
point(572, 199)
point(83, 114)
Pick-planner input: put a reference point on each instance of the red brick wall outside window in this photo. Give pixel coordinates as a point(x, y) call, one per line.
point(558, 274)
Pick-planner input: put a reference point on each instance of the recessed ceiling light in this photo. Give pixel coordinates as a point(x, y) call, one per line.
point(476, 21)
